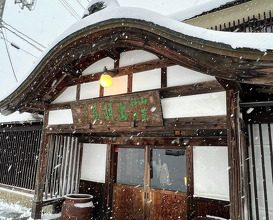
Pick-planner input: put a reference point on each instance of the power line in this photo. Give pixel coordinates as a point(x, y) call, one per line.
point(9, 57)
point(70, 9)
point(19, 48)
point(23, 34)
point(23, 39)
point(80, 4)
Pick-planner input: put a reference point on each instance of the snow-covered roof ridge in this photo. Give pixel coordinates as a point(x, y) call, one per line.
point(198, 9)
point(153, 20)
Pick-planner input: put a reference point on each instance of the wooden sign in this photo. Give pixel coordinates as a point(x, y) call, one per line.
point(130, 110)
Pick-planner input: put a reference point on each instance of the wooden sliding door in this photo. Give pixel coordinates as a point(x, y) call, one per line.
point(149, 183)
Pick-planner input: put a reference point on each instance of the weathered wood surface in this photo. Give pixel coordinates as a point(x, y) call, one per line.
point(244, 65)
point(97, 190)
point(212, 207)
point(157, 141)
point(167, 205)
point(234, 158)
point(189, 124)
point(132, 110)
point(168, 92)
point(128, 202)
point(122, 71)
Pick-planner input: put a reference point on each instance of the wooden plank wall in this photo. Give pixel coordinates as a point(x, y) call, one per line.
point(63, 170)
point(97, 190)
point(19, 150)
point(212, 207)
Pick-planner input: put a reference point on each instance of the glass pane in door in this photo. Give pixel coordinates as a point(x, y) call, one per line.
point(168, 169)
point(130, 166)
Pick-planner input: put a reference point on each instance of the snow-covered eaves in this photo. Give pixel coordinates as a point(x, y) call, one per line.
point(236, 48)
point(17, 118)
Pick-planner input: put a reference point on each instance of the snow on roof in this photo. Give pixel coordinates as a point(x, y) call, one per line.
point(260, 41)
point(17, 118)
point(197, 10)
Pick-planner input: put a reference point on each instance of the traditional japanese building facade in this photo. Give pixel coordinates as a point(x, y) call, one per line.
point(168, 138)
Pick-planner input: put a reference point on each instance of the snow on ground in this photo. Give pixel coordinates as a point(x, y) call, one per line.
point(17, 212)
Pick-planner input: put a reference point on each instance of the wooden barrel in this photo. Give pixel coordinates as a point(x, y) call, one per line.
point(78, 207)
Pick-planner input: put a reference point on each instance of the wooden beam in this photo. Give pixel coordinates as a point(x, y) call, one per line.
point(109, 180)
point(140, 67)
point(192, 89)
point(183, 124)
point(163, 77)
point(234, 161)
point(156, 141)
point(41, 172)
point(169, 92)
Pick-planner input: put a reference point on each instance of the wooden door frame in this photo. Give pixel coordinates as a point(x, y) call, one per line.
point(110, 172)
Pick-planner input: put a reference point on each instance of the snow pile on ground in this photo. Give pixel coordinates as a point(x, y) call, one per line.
point(15, 211)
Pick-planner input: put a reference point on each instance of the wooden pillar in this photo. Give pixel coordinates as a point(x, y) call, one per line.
point(233, 136)
point(109, 182)
point(37, 203)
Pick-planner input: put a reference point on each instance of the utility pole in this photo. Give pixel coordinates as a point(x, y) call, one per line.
point(2, 6)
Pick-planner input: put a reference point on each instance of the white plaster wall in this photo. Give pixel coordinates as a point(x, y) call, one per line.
point(58, 117)
point(259, 174)
point(178, 75)
point(94, 162)
point(209, 104)
point(68, 95)
point(90, 90)
point(210, 165)
point(99, 65)
point(135, 56)
point(119, 86)
point(146, 80)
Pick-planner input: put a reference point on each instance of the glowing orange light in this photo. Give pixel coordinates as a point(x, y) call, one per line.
point(106, 80)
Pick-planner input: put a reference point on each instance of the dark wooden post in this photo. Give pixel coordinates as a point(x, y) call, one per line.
point(37, 203)
point(108, 182)
point(233, 135)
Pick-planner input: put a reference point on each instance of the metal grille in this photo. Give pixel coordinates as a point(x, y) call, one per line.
point(260, 23)
point(19, 150)
point(261, 168)
point(62, 176)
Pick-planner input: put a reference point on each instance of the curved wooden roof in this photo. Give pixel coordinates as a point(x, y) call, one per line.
point(63, 64)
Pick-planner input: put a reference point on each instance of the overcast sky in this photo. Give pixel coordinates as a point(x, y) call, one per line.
point(46, 22)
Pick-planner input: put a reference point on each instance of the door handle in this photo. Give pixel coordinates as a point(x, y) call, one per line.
point(146, 195)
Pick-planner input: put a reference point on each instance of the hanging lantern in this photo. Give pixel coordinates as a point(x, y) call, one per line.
point(105, 79)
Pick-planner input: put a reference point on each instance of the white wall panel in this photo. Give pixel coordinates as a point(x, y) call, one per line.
point(178, 75)
point(210, 165)
point(119, 86)
point(135, 56)
point(58, 117)
point(94, 162)
point(68, 95)
point(146, 80)
point(90, 90)
point(99, 65)
point(195, 105)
